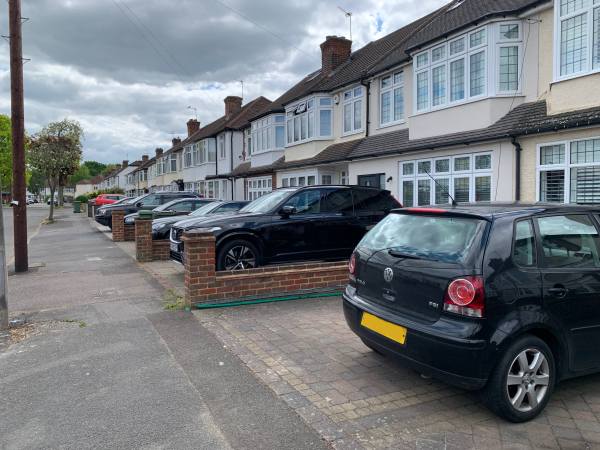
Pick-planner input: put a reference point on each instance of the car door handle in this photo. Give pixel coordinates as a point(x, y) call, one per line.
point(558, 292)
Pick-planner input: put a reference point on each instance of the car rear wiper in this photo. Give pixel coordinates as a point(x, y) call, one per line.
point(397, 254)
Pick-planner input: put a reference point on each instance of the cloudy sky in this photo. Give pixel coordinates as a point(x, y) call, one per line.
point(128, 69)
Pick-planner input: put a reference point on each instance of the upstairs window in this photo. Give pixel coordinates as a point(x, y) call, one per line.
point(309, 120)
point(578, 37)
point(391, 99)
point(187, 156)
point(352, 105)
point(268, 133)
point(459, 70)
point(222, 146)
point(173, 163)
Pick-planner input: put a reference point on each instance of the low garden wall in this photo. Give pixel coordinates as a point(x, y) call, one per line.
point(204, 285)
point(146, 249)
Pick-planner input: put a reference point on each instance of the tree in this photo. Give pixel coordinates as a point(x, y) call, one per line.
point(5, 153)
point(37, 182)
point(55, 152)
point(94, 167)
point(110, 168)
point(83, 173)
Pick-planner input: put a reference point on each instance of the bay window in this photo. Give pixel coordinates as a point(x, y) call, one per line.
point(467, 178)
point(268, 133)
point(578, 37)
point(458, 70)
point(391, 102)
point(257, 187)
point(352, 106)
point(308, 120)
point(569, 172)
point(187, 156)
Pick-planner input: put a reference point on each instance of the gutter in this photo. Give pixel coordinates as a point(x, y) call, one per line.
point(518, 150)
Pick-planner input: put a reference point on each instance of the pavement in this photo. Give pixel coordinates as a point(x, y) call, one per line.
point(355, 398)
point(102, 364)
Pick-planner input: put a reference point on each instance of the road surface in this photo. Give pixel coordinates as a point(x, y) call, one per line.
point(35, 215)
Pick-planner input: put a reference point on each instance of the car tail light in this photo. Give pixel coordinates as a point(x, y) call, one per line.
point(465, 296)
point(352, 264)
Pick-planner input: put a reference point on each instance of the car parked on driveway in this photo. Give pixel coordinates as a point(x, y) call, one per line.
point(178, 207)
point(161, 227)
point(146, 202)
point(107, 199)
point(504, 298)
point(292, 224)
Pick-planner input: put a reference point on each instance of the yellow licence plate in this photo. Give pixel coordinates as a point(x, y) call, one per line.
point(383, 327)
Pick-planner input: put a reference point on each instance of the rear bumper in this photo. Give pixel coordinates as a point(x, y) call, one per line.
point(460, 362)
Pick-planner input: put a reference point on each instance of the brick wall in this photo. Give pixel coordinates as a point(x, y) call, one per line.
point(143, 239)
point(147, 249)
point(129, 232)
point(118, 226)
point(204, 285)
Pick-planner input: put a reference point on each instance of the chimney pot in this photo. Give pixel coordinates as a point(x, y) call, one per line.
point(125, 163)
point(144, 158)
point(334, 51)
point(233, 105)
point(159, 152)
point(192, 126)
point(175, 141)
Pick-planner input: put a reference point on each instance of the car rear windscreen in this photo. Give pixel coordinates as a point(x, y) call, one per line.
point(434, 237)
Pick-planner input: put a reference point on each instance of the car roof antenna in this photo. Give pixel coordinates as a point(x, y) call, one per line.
point(438, 185)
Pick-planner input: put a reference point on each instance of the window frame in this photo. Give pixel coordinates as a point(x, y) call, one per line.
point(351, 101)
point(264, 133)
point(556, 56)
point(313, 106)
point(391, 88)
point(566, 166)
point(536, 256)
point(472, 174)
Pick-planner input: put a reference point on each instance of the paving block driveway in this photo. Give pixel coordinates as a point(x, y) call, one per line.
point(355, 398)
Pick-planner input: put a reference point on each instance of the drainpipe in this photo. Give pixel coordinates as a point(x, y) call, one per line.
point(231, 159)
point(518, 149)
point(368, 87)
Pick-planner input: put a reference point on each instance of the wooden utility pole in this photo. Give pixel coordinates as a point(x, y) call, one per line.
point(18, 136)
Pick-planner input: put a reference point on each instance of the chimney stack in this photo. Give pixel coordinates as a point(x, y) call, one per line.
point(125, 163)
point(144, 158)
point(175, 141)
point(233, 105)
point(159, 152)
point(334, 51)
point(192, 126)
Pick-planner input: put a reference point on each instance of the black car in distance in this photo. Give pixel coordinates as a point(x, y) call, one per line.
point(500, 297)
point(292, 224)
point(161, 227)
point(145, 202)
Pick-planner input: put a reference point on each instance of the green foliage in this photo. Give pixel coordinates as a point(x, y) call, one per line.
point(36, 182)
point(81, 198)
point(94, 167)
point(83, 173)
point(109, 168)
point(55, 152)
point(5, 151)
point(173, 301)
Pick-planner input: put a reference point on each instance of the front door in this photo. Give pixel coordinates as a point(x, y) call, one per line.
point(570, 267)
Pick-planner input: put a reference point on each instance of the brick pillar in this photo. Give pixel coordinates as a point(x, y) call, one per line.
point(199, 263)
point(143, 238)
point(118, 226)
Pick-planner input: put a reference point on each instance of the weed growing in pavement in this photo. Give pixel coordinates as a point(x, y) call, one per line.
point(172, 300)
point(81, 323)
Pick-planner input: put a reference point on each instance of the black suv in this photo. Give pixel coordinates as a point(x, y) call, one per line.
point(505, 298)
point(292, 224)
point(147, 201)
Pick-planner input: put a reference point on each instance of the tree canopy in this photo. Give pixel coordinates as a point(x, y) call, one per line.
point(5, 152)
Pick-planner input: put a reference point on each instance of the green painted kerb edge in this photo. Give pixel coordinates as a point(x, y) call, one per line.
point(269, 300)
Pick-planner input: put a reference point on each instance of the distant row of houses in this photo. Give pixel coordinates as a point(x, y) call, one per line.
point(486, 100)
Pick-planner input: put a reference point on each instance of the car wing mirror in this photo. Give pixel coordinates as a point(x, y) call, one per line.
point(139, 204)
point(288, 210)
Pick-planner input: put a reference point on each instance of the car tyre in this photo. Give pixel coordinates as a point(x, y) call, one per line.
point(521, 384)
point(238, 254)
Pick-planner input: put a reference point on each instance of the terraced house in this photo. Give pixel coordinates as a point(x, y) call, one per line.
point(483, 100)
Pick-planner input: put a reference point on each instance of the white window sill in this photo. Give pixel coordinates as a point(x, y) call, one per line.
point(352, 133)
point(306, 141)
point(575, 75)
point(391, 124)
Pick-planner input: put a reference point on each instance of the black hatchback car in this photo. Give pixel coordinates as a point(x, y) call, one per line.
point(146, 202)
point(505, 298)
point(292, 224)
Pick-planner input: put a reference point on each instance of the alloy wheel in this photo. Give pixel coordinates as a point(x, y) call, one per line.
point(240, 257)
point(528, 380)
